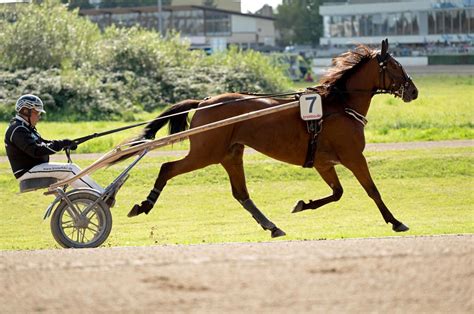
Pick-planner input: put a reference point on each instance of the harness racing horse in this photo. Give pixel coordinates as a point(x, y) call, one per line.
point(346, 91)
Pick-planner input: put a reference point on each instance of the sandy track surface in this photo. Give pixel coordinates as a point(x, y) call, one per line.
point(385, 275)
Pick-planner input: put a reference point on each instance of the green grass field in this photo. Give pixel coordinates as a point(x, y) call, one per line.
point(444, 110)
point(431, 191)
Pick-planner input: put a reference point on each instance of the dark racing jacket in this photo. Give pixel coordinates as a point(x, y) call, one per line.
point(26, 148)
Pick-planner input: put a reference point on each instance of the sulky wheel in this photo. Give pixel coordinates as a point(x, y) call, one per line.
point(87, 231)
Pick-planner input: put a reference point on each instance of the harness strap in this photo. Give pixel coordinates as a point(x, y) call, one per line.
point(314, 128)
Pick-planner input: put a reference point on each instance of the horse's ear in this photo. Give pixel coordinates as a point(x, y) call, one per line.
point(384, 51)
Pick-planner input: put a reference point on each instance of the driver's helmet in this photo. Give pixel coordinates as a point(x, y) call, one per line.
point(31, 102)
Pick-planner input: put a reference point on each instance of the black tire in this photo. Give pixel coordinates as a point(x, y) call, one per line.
point(98, 227)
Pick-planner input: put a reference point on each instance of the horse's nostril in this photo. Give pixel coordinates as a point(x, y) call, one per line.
point(415, 94)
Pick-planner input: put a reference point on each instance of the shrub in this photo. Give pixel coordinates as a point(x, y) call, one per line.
point(82, 74)
point(35, 39)
point(249, 71)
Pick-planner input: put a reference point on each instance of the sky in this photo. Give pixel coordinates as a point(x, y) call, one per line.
point(254, 5)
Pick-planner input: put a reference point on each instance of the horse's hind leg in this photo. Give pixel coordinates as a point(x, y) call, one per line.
point(167, 171)
point(328, 173)
point(359, 167)
point(233, 164)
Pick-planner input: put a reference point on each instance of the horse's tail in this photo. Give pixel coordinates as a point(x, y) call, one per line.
point(177, 122)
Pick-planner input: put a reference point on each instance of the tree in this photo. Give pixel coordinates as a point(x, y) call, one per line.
point(37, 40)
point(83, 4)
point(209, 3)
point(299, 22)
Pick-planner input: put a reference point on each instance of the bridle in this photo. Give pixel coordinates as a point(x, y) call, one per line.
point(383, 69)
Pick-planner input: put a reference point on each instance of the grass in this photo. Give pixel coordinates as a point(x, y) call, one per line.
point(429, 190)
point(443, 111)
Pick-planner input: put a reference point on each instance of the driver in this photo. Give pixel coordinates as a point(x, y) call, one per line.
point(28, 152)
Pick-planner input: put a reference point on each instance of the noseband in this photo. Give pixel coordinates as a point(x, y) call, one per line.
point(384, 70)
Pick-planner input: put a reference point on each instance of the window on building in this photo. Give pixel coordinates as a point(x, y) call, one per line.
point(217, 23)
point(470, 20)
point(370, 29)
point(406, 23)
point(440, 26)
point(464, 24)
point(448, 22)
point(347, 26)
point(440, 22)
point(363, 25)
point(456, 21)
point(150, 20)
point(414, 24)
point(189, 22)
point(432, 23)
point(392, 24)
point(356, 26)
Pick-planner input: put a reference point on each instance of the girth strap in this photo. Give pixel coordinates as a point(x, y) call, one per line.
point(314, 127)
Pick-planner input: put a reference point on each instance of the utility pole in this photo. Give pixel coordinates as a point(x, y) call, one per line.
point(160, 17)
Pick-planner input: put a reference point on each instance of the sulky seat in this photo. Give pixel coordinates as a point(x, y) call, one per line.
point(36, 184)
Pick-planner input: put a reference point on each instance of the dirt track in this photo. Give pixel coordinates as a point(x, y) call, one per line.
point(385, 275)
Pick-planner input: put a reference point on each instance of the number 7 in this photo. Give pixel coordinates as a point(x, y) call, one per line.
point(313, 99)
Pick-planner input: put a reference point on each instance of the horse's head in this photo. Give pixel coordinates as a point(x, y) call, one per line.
point(393, 77)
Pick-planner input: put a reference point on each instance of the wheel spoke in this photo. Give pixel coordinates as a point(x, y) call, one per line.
point(87, 240)
point(93, 214)
point(93, 230)
point(97, 226)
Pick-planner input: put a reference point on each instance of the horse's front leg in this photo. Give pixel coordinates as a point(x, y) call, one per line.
point(147, 205)
point(328, 173)
point(360, 169)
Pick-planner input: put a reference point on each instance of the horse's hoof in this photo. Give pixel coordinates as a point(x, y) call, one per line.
point(298, 207)
point(135, 211)
point(400, 228)
point(277, 232)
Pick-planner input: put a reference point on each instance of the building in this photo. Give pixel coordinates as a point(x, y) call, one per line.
point(229, 5)
point(206, 27)
point(413, 22)
point(266, 10)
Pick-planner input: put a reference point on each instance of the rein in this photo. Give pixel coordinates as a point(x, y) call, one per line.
point(383, 69)
point(81, 140)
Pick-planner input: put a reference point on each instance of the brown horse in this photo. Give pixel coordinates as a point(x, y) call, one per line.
point(346, 92)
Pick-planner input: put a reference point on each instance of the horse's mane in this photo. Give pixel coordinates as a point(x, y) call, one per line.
point(342, 67)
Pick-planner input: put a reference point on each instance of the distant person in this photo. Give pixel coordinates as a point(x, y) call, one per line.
point(309, 77)
point(303, 65)
point(29, 153)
